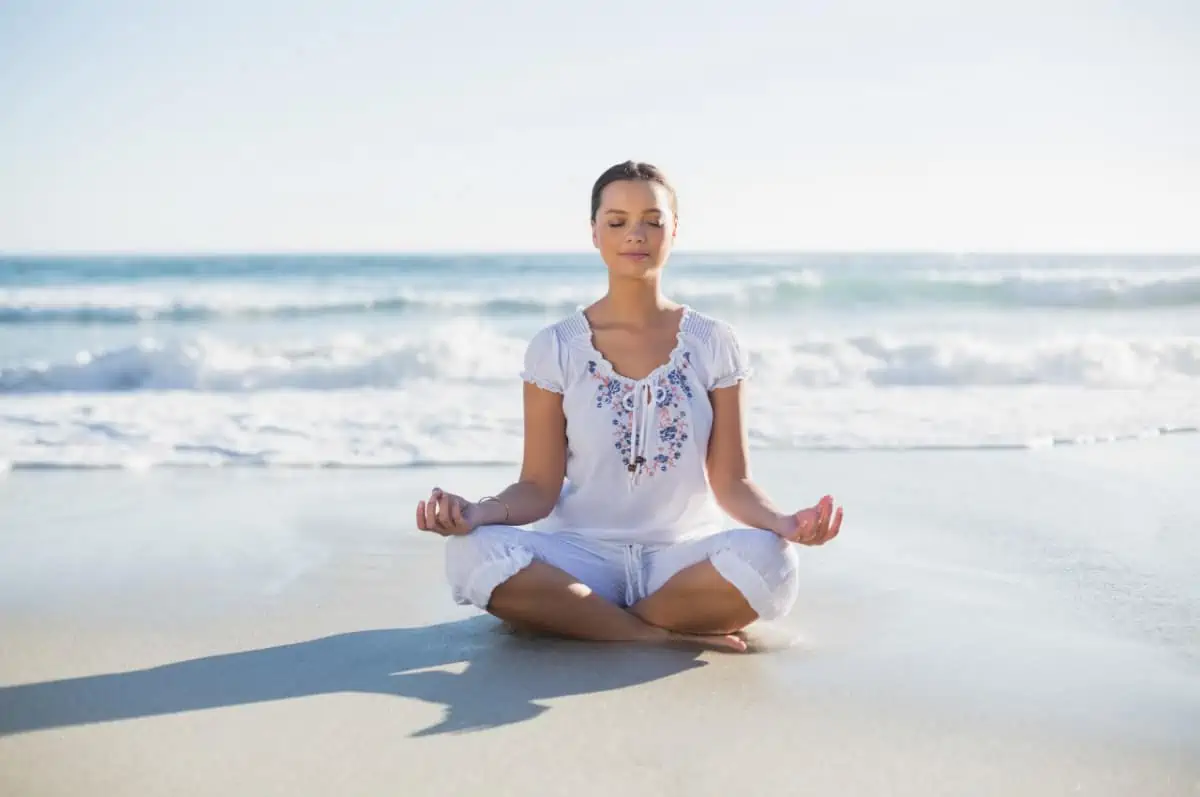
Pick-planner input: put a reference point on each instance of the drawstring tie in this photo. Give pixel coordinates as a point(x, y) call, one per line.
point(635, 582)
point(640, 403)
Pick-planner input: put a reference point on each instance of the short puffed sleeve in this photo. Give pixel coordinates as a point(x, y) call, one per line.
point(543, 363)
point(729, 362)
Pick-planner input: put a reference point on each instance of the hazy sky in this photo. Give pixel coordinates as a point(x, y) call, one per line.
point(792, 125)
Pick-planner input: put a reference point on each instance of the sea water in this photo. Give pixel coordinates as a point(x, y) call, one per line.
point(395, 361)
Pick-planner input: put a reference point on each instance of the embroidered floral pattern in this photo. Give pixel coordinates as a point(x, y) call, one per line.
point(671, 394)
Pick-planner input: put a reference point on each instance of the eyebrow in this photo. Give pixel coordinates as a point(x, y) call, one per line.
point(625, 212)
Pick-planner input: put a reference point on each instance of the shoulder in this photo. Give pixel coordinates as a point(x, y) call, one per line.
point(562, 333)
point(709, 331)
point(716, 341)
point(556, 340)
point(547, 355)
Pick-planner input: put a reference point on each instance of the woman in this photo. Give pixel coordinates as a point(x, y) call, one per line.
point(633, 437)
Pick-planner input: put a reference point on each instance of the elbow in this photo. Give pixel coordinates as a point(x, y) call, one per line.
point(545, 498)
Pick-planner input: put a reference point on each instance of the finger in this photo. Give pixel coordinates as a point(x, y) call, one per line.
point(456, 515)
point(421, 516)
point(814, 515)
point(828, 533)
point(837, 525)
point(814, 530)
point(445, 521)
point(439, 511)
point(826, 515)
point(431, 514)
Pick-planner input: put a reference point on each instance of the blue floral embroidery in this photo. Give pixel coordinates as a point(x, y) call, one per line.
point(676, 378)
point(671, 391)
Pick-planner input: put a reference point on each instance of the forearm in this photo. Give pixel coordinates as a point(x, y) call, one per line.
point(747, 503)
point(526, 502)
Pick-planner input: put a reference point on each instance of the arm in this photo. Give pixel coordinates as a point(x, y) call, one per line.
point(544, 461)
point(740, 497)
point(543, 465)
point(729, 467)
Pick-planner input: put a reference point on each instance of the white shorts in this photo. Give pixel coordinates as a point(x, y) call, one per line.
point(760, 564)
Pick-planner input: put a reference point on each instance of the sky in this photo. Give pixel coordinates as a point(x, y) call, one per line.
point(794, 125)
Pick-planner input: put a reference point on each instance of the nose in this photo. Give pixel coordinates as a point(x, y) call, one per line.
point(637, 232)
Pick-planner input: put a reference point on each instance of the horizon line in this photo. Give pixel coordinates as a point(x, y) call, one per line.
point(414, 253)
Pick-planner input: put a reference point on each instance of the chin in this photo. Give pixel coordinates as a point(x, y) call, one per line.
point(637, 272)
point(632, 269)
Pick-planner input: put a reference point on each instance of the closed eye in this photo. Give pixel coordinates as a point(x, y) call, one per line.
point(651, 222)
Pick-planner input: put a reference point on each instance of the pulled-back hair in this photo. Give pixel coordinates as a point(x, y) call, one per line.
point(631, 170)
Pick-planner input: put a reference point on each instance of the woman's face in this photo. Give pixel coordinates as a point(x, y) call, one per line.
point(634, 227)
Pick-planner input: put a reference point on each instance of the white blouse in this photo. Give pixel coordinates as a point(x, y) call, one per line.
point(636, 448)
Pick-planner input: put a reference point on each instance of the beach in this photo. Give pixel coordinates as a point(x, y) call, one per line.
point(211, 581)
point(272, 274)
point(1016, 622)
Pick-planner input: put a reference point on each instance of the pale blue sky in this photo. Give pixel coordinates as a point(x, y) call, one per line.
point(790, 125)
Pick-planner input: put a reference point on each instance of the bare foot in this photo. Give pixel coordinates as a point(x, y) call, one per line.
point(730, 643)
point(528, 631)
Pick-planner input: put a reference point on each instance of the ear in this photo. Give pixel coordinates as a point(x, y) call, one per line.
point(595, 237)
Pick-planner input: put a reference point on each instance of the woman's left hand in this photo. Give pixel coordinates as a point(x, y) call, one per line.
point(816, 525)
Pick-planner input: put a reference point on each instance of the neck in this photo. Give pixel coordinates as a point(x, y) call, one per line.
point(635, 300)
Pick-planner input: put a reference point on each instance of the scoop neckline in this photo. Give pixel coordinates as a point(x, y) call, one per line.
point(608, 368)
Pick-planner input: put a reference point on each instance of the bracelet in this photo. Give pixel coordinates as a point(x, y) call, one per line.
point(497, 500)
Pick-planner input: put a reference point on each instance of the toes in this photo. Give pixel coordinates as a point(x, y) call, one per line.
point(733, 643)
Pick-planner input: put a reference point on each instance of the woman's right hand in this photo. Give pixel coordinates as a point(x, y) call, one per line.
point(816, 525)
point(447, 514)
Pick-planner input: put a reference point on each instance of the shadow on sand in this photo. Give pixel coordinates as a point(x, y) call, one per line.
point(504, 679)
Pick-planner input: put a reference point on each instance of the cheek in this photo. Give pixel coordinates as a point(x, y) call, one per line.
point(612, 236)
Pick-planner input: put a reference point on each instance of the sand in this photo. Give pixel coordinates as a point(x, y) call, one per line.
point(1003, 623)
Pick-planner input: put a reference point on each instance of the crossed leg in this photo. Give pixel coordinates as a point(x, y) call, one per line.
point(540, 597)
point(496, 569)
point(697, 600)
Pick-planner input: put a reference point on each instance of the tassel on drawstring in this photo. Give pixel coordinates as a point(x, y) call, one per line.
point(639, 432)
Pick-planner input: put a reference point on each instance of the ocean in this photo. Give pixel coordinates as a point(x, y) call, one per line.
point(401, 361)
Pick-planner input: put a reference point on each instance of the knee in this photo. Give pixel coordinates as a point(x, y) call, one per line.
point(763, 566)
point(478, 562)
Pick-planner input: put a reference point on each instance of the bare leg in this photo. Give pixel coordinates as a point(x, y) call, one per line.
point(696, 600)
point(545, 598)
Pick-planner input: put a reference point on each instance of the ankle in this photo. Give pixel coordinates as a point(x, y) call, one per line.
point(654, 634)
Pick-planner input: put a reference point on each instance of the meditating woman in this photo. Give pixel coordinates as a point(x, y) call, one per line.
point(634, 440)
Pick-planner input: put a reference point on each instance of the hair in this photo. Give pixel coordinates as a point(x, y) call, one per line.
point(632, 170)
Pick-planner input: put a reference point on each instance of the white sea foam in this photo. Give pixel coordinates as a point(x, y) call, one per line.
point(445, 422)
point(451, 395)
point(474, 355)
point(270, 362)
point(210, 364)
